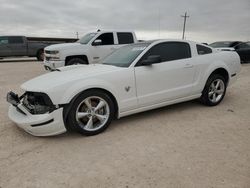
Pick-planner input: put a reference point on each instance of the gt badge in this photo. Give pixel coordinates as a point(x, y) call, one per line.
point(127, 88)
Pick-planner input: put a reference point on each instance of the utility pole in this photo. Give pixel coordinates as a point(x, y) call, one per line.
point(184, 26)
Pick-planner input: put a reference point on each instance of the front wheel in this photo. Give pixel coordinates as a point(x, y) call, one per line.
point(91, 112)
point(214, 90)
point(75, 61)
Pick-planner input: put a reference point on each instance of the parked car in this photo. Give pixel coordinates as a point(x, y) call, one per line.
point(243, 49)
point(92, 48)
point(225, 45)
point(135, 78)
point(18, 46)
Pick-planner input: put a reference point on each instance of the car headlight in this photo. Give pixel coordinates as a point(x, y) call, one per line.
point(37, 103)
point(52, 55)
point(53, 52)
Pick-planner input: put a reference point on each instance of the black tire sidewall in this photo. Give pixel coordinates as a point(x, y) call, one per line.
point(71, 120)
point(40, 55)
point(205, 98)
point(75, 61)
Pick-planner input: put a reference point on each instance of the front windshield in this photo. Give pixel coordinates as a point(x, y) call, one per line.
point(86, 38)
point(124, 56)
point(221, 44)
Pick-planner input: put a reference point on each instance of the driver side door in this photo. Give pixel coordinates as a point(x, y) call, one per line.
point(107, 46)
point(170, 79)
point(17, 46)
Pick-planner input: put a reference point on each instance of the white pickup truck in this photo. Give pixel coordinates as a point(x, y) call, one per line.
point(90, 49)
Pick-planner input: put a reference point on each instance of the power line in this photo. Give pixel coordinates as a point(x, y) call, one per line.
point(184, 25)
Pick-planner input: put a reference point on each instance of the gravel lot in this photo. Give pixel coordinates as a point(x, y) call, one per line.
point(185, 145)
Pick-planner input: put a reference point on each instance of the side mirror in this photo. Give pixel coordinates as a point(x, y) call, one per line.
point(153, 59)
point(97, 42)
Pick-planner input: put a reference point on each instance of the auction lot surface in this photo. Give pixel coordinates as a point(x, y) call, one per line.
point(185, 145)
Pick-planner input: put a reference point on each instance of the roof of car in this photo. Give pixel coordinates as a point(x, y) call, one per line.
point(148, 42)
point(107, 30)
point(229, 42)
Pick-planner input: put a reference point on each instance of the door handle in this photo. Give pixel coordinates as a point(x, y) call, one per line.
point(188, 65)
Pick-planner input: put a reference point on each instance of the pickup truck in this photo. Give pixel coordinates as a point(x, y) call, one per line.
point(90, 49)
point(17, 46)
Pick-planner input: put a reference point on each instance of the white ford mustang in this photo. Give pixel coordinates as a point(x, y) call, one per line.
point(135, 78)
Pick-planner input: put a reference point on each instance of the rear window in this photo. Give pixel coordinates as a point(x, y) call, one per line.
point(202, 50)
point(125, 38)
point(15, 40)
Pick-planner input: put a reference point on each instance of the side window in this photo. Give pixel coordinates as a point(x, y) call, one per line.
point(15, 40)
point(4, 40)
point(202, 50)
point(125, 38)
point(107, 38)
point(170, 51)
point(243, 46)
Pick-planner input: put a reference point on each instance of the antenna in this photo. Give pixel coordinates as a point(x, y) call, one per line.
point(184, 25)
point(77, 35)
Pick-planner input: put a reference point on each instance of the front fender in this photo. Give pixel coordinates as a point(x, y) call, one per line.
point(74, 52)
point(81, 86)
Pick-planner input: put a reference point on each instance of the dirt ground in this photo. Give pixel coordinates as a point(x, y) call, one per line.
point(185, 145)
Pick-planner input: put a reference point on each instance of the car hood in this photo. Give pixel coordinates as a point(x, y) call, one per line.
point(65, 46)
point(67, 76)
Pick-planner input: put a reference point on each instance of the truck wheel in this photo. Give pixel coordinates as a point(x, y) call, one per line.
point(91, 112)
point(214, 90)
point(40, 55)
point(75, 61)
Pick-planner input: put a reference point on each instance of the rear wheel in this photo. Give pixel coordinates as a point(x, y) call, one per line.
point(214, 90)
point(75, 61)
point(91, 112)
point(40, 55)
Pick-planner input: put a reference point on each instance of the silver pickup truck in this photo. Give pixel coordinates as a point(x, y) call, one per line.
point(17, 46)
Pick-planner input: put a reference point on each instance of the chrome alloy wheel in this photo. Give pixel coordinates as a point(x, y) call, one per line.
point(216, 90)
point(92, 113)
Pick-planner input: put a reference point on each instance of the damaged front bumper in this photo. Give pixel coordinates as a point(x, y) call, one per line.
point(35, 121)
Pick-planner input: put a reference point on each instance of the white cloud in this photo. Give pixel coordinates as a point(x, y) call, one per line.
point(209, 20)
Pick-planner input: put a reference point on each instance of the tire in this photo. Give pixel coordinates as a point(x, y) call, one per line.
point(75, 61)
point(40, 55)
point(214, 91)
point(86, 117)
